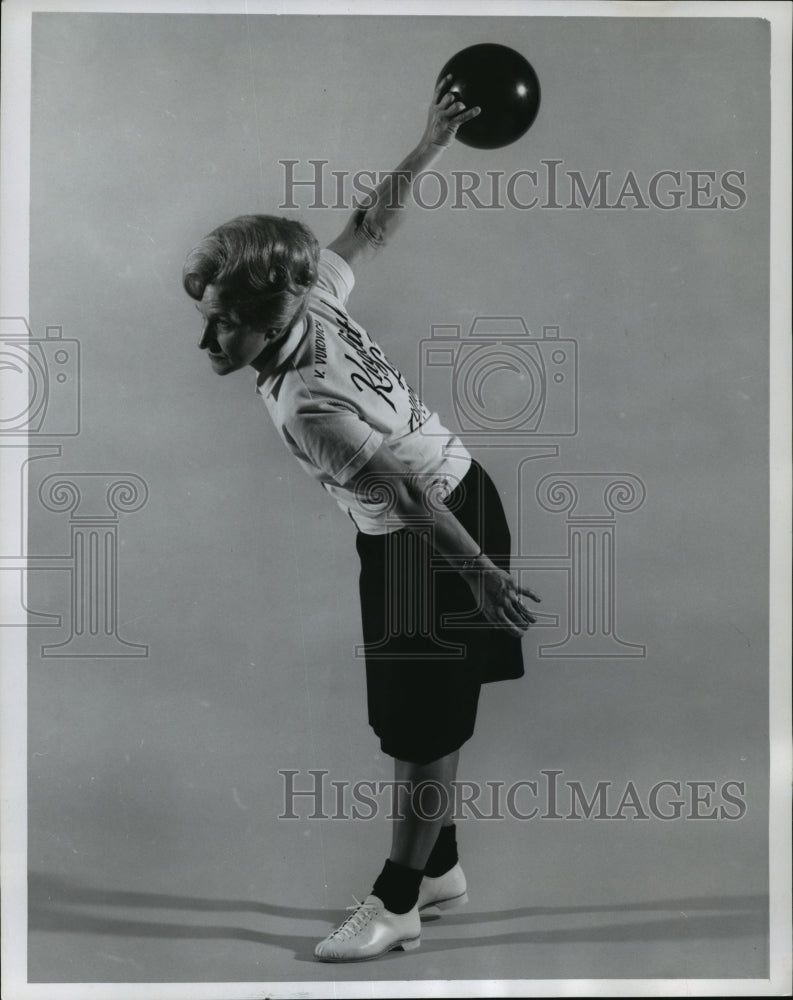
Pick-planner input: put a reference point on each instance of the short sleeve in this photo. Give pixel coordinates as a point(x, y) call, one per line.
point(332, 438)
point(335, 275)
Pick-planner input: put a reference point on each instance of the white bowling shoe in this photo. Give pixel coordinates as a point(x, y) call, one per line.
point(370, 931)
point(442, 893)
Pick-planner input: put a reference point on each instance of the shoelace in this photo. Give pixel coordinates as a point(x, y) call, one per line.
point(357, 920)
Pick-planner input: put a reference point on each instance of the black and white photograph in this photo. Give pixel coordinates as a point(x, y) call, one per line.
point(396, 486)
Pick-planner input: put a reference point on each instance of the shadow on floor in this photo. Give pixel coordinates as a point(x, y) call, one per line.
point(45, 888)
point(56, 905)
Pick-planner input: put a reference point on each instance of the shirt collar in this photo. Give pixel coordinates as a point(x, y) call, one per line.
point(266, 379)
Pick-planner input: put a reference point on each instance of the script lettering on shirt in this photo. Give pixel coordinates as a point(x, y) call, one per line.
point(376, 372)
point(418, 411)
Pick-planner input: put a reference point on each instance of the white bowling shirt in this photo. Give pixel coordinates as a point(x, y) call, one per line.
point(335, 398)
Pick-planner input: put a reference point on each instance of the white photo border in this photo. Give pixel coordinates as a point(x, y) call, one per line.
point(14, 254)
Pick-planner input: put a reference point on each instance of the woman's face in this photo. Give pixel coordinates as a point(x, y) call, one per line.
point(230, 342)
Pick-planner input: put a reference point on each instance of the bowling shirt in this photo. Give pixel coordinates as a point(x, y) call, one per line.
point(335, 398)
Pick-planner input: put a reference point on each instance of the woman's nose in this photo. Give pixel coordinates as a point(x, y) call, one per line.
point(206, 338)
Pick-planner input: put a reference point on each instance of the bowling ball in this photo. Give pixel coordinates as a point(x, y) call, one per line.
point(503, 84)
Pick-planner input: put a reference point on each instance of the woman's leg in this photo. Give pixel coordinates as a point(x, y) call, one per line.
point(425, 798)
point(448, 816)
point(424, 802)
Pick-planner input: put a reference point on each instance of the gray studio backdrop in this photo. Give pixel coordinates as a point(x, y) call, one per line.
point(223, 581)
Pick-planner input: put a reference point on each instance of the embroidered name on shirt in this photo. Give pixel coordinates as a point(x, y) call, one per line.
point(320, 349)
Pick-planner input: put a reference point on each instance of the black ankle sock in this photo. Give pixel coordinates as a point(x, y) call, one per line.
point(398, 887)
point(444, 853)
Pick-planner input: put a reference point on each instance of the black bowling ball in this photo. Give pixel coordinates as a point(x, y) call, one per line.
point(503, 84)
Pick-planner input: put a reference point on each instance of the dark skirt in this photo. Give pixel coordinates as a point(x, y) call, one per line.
point(428, 649)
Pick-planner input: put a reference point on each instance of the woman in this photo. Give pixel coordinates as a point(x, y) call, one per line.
point(431, 532)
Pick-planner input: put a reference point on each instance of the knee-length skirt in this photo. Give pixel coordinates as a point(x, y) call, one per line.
point(428, 648)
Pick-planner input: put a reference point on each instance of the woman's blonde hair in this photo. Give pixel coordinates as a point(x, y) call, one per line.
point(263, 265)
